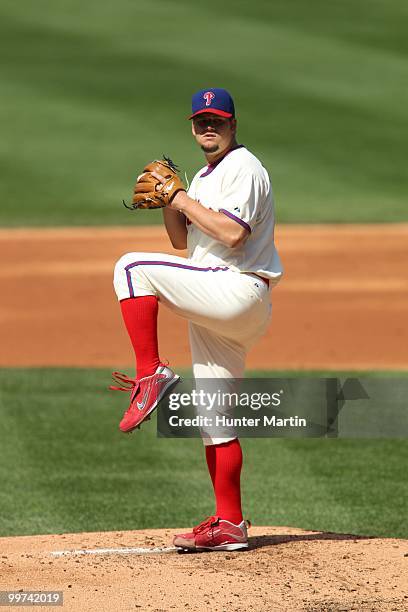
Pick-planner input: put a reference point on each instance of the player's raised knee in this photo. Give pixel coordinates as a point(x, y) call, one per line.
point(124, 261)
point(119, 275)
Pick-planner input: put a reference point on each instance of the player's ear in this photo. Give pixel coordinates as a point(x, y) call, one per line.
point(234, 125)
point(192, 128)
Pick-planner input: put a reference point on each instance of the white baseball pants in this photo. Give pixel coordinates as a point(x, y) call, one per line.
point(227, 311)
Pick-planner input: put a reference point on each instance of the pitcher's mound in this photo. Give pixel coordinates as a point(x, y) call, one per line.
point(284, 569)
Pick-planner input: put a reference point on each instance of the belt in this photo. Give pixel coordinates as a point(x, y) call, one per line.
point(265, 280)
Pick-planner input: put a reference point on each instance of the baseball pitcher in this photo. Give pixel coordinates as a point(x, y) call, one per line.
point(226, 222)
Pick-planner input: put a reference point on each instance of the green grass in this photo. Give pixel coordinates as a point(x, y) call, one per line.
point(65, 467)
point(326, 373)
point(92, 90)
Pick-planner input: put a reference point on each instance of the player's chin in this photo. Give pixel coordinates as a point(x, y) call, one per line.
point(210, 148)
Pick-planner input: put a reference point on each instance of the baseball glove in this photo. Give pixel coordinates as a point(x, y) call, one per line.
point(149, 192)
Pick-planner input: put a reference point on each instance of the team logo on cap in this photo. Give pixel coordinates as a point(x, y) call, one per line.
point(208, 97)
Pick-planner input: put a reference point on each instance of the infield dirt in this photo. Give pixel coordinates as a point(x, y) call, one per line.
point(342, 304)
point(285, 569)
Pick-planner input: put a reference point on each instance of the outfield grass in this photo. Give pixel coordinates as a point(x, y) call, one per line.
point(92, 90)
point(65, 467)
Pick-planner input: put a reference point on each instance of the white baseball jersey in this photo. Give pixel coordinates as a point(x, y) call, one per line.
point(238, 186)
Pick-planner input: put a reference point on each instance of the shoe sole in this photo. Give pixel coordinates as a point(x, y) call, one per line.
point(227, 547)
point(165, 391)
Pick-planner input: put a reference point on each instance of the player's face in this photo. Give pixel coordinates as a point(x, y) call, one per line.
point(213, 133)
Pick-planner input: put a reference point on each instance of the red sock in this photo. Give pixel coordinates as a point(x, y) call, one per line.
point(140, 317)
point(224, 464)
point(210, 457)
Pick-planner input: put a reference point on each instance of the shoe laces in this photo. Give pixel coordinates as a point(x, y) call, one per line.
point(208, 523)
point(124, 382)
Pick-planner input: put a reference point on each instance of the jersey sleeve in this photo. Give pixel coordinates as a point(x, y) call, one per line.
point(242, 197)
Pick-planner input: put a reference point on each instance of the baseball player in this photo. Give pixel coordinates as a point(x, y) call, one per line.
point(223, 288)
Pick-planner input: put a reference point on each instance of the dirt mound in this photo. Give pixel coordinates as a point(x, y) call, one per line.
point(284, 569)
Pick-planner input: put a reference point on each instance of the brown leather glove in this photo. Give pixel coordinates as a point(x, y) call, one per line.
point(149, 192)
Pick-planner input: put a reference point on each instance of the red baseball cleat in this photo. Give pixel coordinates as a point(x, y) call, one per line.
point(214, 534)
point(145, 394)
